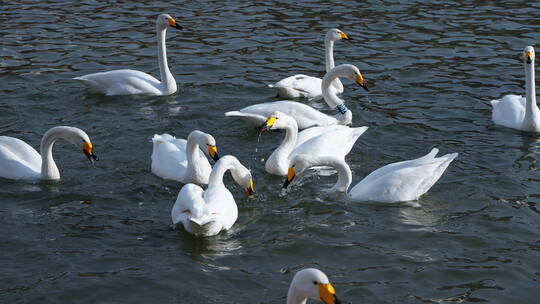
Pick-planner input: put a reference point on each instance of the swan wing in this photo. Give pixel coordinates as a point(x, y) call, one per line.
point(121, 82)
point(221, 204)
point(402, 181)
point(509, 111)
point(169, 157)
point(336, 141)
point(18, 160)
point(254, 119)
point(189, 201)
point(298, 86)
point(304, 115)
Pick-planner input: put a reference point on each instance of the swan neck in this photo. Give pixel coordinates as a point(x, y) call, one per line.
point(192, 148)
point(530, 91)
point(329, 54)
point(343, 170)
point(167, 79)
point(294, 298)
point(49, 170)
point(289, 142)
point(328, 92)
point(216, 176)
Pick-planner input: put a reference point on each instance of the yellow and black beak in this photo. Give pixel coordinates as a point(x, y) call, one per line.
point(291, 174)
point(268, 123)
point(249, 191)
point(344, 36)
point(327, 293)
point(172, 23)
point(212, 151)
point(361, 82)
point(528, 57)
point(89, 152)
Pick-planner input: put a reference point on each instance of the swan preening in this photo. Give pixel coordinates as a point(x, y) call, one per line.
point(396, 182)
point(330, 141)
point(305, 115)
point(182, 160)
point(18, 160)
point(514, 111)
point(128, 82)
point(207, 212)
point(313, 284)
point(307, 86)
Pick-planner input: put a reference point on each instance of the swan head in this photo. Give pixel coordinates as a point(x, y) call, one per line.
point(528, 55)
point(335, 34)
point(205, 140)
point(312, 283)
point(165, 20)
point(277, 120)
point(299, 164)
point(77, 137)
point(241, 174)
point(351, 72)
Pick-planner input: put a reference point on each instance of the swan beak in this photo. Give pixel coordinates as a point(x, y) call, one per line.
point(250, 190)
point(212, 151)
point(327, 293)
point(89, 152)
point(291, 174)
point(268, 123)
point(361, 82)
point(528, 57)
point(172, 23)
point(344, 36)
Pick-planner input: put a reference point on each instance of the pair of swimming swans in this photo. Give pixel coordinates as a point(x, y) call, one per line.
point(320, 141)
point(308, 86)
point(305, 115)
point(127, 82)
point(514, 111)
point(18, 160)
point(396, 182)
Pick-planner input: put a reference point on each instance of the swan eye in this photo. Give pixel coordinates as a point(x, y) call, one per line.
point(315, 283)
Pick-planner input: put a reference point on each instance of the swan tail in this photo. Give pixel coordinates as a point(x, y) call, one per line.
point(271, 85)
point(201, 221)
point(359, 131)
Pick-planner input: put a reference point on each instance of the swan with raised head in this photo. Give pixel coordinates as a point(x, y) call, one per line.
point(313, 284)
point(396, 182)
point(207, 212)
point(514, 111)
point(182, 160)
point(305, 115)
point(321, 141)
point(308, 86)
point(129, 82)
point(18, 160)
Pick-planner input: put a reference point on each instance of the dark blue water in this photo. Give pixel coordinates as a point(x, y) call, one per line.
point(102, 234)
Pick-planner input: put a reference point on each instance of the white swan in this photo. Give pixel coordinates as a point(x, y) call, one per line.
point(396, 182)
point(333, 140)
point(206, 213)
point(313, 284)
point(18, 160)
point(128, 82)
point(182, 160)
point(308, 86)
point(514, 111)
point(305, 115)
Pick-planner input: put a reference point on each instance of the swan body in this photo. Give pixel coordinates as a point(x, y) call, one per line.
point(207, 212)
point(309, 86)
point(182, 160)
point(18, 160)
point(128, 82)
point(514, 111)
point(313, 284)
point(305, 115)
point(396, 182)
point(334, 140)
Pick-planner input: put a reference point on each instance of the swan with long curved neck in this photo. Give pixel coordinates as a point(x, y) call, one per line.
point(396, 182)
point(128, 82)
point(514, 111)
point(307, 86)
point(206, 213)
point(18, 160)
point(182, 160)
point(313, 284)
point(305, 115)
point(331, 141)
